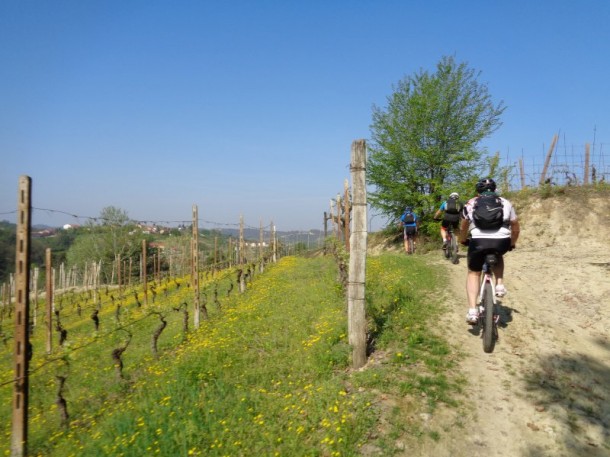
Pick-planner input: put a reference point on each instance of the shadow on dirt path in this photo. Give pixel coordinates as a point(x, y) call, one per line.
point(544, 391)
point(572, 389)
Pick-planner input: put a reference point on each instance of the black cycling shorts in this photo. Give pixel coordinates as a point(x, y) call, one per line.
point(410, 231)
point(478, 247)
point(445, 224)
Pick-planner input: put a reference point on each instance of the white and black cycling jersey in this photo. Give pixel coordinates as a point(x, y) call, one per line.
point(509, 215)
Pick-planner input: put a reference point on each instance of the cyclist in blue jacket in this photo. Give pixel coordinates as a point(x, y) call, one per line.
point(410, 223)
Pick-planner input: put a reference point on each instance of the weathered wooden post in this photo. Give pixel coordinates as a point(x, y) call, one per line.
point(241, 241)
point(330, 216)
point(338, 217)
point(357, 258)
point(195, 256)
point(586, 171)
point(35, 284)
point(19, 435)
point(49, 299)
point(522, 173)
point(346, 214)
point(144, 272)
point(215, 254)
point(274, 241)
point(548, 160)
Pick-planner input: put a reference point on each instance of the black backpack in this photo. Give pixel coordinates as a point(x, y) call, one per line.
point(453, 206)
point(488, 212)
point(408, 218)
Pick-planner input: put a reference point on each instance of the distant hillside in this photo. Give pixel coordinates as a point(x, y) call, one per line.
point(291, 236)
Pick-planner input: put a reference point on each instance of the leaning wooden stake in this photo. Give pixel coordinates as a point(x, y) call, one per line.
point(548, 160)
point(357, 258)
point(19, 436)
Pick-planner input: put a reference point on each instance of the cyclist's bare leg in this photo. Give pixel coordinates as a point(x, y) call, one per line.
point(472, 287)
point(443, 234)
point(499, 271)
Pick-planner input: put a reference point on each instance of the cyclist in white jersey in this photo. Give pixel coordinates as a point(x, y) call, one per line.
point(482, 241)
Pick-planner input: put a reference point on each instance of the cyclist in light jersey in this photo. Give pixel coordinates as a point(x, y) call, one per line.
point(482, 241)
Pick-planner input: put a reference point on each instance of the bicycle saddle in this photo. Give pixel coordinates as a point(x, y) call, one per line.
point(491, 259)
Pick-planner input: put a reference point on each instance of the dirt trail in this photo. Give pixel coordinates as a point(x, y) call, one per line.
point(545, 390)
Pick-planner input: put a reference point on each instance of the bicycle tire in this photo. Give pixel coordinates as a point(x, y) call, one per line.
point(454, 250)
point(489, 334)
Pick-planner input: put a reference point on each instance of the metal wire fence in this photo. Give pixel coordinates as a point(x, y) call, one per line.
point(567, 166)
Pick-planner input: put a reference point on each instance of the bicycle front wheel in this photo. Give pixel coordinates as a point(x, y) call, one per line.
point(489, 339)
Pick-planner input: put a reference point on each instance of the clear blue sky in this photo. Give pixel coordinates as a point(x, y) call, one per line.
point(250, 107)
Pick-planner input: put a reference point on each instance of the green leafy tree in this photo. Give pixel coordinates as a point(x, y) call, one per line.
point(7, 249)
point(113, 237)
point(426, 142)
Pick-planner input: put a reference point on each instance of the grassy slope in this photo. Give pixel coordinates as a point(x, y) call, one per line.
point(266, 376)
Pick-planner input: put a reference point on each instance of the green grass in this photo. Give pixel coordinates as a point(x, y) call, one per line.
point(268, 374)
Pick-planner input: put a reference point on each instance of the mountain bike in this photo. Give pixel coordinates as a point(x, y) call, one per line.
point(409, 235)
point(488, 317)
point(451, 250)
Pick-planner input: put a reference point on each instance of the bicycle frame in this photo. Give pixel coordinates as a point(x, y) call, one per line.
point(487, 276)
point(488, 319)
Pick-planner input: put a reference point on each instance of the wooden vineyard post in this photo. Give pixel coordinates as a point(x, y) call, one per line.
point(119, 273)
point(49, 300)
point(215, 254)
point(338, 217)
point(35, 285)
point(330, 216)
point(195, 257)
point(357, 258)
point(144, 273)
point(522, 173)
point(260, 241)
point(346, 215)
point(241, 240)
point(273, 243)
point(548, 160)
point(157, 262)
point(586, 170)
point(19, 436)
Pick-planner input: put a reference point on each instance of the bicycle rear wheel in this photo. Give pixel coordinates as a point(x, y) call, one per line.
point(489, 334)
point(454, 250)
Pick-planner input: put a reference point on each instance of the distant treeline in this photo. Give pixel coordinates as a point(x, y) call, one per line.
point(59, 243)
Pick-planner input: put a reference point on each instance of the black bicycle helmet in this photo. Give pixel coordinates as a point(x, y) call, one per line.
point(486, 184)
